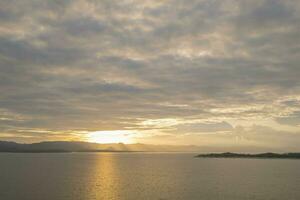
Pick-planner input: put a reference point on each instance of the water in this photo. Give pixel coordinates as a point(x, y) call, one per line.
point(142, 176)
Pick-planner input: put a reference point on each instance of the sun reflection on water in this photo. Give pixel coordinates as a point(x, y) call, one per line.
point(104, 178)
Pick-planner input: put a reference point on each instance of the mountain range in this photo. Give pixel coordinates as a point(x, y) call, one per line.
point(71, 146)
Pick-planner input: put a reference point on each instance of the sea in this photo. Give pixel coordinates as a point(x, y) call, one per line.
point(143, 176)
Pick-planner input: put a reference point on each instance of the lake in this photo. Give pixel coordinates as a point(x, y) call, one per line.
point(142, 176)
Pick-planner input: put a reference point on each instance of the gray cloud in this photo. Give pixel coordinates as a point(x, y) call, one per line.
point(110, 65)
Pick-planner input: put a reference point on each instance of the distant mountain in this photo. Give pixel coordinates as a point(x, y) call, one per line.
point(76, 146)
point(261, 155)
point(64, 146)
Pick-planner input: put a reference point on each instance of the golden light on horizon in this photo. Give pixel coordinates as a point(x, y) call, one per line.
point(115, 136)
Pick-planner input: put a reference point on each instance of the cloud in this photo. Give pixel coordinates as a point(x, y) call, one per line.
point(111, 65)
point(204, 127)
point(292, 120)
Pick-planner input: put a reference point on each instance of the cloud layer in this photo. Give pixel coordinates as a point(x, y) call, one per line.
point(177, 72)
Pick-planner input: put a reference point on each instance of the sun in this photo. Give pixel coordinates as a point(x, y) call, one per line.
point(115, 136)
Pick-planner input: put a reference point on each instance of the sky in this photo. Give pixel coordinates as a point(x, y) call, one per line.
point(198, 72)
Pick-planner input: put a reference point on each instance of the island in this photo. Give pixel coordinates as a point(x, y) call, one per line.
point(260, 155)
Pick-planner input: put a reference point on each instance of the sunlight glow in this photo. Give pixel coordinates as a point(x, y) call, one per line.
point(115, 136)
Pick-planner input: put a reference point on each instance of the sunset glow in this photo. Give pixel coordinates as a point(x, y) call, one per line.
point(106, 137)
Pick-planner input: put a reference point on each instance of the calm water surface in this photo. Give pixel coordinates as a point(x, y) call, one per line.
point(161, 176)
